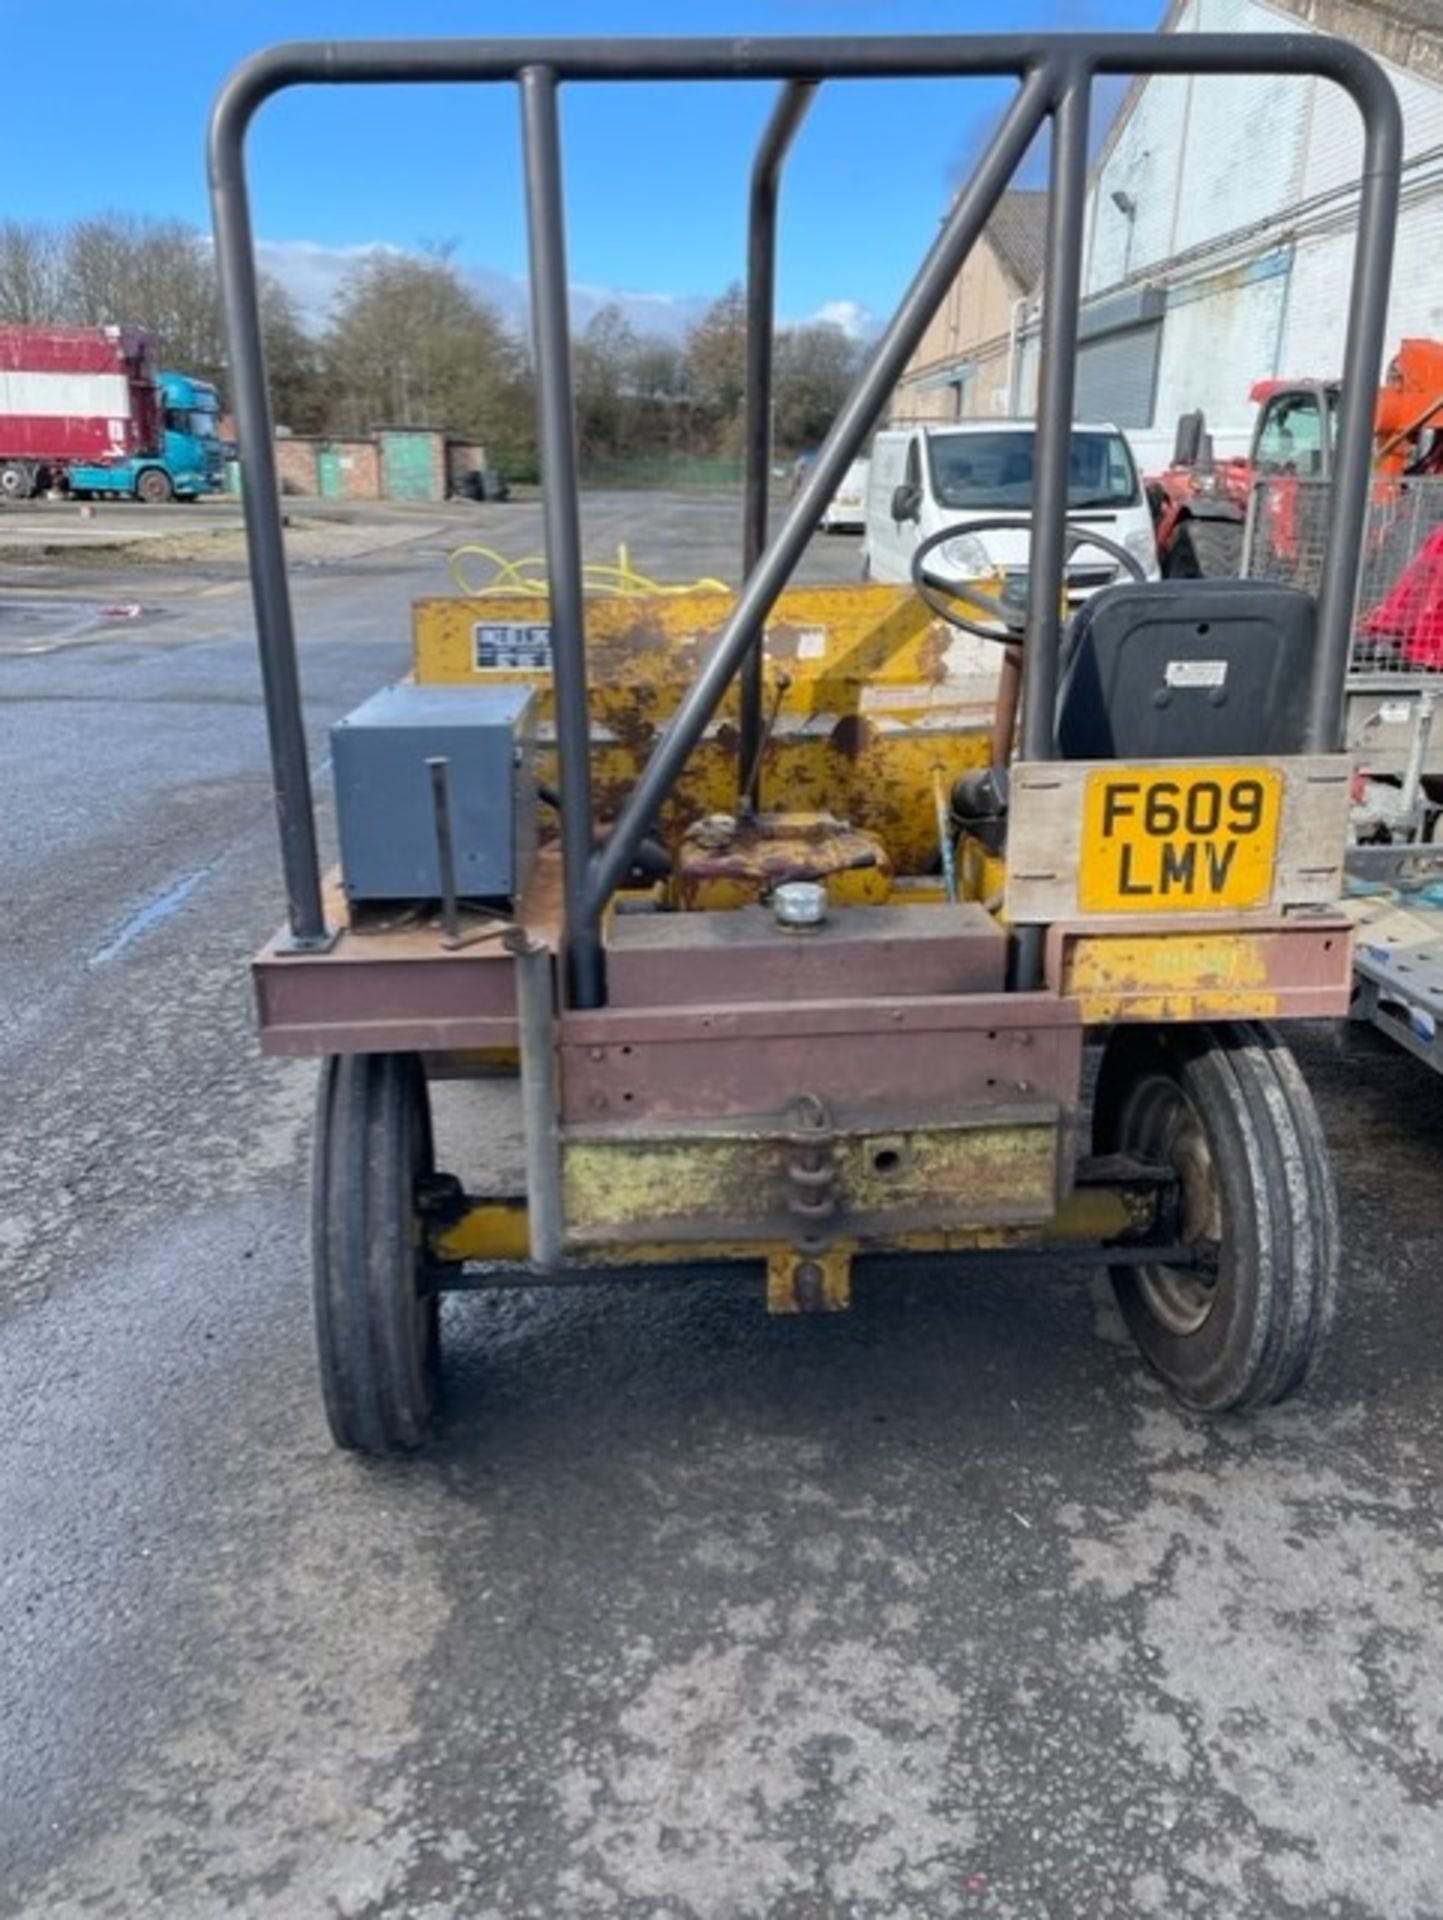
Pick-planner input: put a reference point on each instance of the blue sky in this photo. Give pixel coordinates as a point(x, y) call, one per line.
point(656, 176)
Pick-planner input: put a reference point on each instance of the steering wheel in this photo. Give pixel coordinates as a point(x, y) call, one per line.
point(931, 587)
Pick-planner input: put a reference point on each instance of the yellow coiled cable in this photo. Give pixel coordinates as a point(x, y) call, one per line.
point(526, 578)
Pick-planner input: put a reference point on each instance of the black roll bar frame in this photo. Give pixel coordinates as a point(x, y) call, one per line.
point(781, 129)
point(1055, 75)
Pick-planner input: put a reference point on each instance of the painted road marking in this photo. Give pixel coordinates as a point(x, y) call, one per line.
point(155, 910)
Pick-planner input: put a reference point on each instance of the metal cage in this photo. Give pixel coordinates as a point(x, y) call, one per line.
point(1054, 76)
point(1398, 610)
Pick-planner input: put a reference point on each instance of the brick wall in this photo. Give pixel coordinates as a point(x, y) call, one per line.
point(463, 457)
point(360, 463)
point(296, 465)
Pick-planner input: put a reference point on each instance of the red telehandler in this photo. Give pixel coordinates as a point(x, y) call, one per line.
point(1200, 504)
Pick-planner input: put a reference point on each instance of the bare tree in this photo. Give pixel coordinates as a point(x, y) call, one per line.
point(605, 384)
point(815, 368)
point(30, 261)
point(715, 362)
point(295, 362)
point(121, 270)
point(410, 344)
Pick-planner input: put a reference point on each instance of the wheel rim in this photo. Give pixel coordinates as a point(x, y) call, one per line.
point(1161, 1124)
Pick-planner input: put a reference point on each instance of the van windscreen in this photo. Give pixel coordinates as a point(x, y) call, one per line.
point(994, 469)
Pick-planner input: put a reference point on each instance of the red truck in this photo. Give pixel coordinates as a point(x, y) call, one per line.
point(86, 411)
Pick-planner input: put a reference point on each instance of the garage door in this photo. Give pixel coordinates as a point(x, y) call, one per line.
point(1117, 376)
point(408, 466)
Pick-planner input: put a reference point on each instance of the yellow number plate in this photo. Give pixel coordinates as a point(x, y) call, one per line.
point(1187, 840)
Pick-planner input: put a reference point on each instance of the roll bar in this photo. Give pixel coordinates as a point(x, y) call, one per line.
point(781, 129)
point(1055, 75)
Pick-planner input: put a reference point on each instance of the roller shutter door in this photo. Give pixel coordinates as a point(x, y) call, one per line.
point(1117, 376)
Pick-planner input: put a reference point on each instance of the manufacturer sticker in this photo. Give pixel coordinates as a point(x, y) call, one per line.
point(1196, 673)
point(513, 646)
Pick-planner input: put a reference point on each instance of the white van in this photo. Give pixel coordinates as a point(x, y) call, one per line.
point(925, 478)
point(846, 511)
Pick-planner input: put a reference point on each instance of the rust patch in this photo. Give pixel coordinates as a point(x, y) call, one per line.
point(932, 653)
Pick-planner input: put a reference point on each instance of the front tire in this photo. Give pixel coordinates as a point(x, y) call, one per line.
point(1226, 1107)
point(1205, 550)
point(153, 487)
point(377, 1328)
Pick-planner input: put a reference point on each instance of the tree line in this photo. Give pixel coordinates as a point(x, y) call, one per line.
point(409, 342)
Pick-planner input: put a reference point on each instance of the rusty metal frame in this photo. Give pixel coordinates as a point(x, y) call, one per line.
point(1055, 76)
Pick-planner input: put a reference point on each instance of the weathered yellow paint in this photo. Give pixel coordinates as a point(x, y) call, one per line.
point(731, 1183)
point(869, 702)
point(488, 1230)
point(807, 1282)
point(1086, 1215)
point(981, 875)
point(496, 1230)
point(1169, 976)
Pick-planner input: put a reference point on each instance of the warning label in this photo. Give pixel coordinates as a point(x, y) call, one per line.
point(513, 646)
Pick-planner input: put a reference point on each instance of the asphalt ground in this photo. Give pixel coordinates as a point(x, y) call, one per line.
point(939, 1608)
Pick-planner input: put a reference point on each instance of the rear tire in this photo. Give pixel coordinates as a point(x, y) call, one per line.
point(17, 480)
point(377, 1330)
point(1205, 550)
point(153, 487)
point(1227, 1107)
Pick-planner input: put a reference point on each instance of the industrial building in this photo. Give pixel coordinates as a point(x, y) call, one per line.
point(1220, 231)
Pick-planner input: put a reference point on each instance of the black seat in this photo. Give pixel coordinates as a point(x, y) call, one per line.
point(1184, 669)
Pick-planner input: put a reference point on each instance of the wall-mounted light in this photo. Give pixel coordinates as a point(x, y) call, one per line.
point(1127, 207)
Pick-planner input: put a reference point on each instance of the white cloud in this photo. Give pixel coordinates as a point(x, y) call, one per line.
point(858, 322)
point(312, 273)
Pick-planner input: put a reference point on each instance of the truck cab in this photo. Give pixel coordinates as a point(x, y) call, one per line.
point(194, 453)
point(189, 460)
point(1296, 427)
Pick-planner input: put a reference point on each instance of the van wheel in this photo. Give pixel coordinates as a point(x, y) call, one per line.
point(153, 487)
point(1227, 1109)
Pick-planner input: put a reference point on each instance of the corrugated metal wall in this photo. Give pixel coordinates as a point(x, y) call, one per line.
point(1117, 376)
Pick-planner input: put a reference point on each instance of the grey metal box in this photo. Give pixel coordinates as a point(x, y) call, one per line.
point(384, 807)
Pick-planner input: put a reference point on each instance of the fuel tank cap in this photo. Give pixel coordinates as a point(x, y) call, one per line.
point(800, 903)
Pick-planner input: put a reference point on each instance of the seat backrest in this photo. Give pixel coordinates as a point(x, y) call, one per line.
point(1184, 669)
